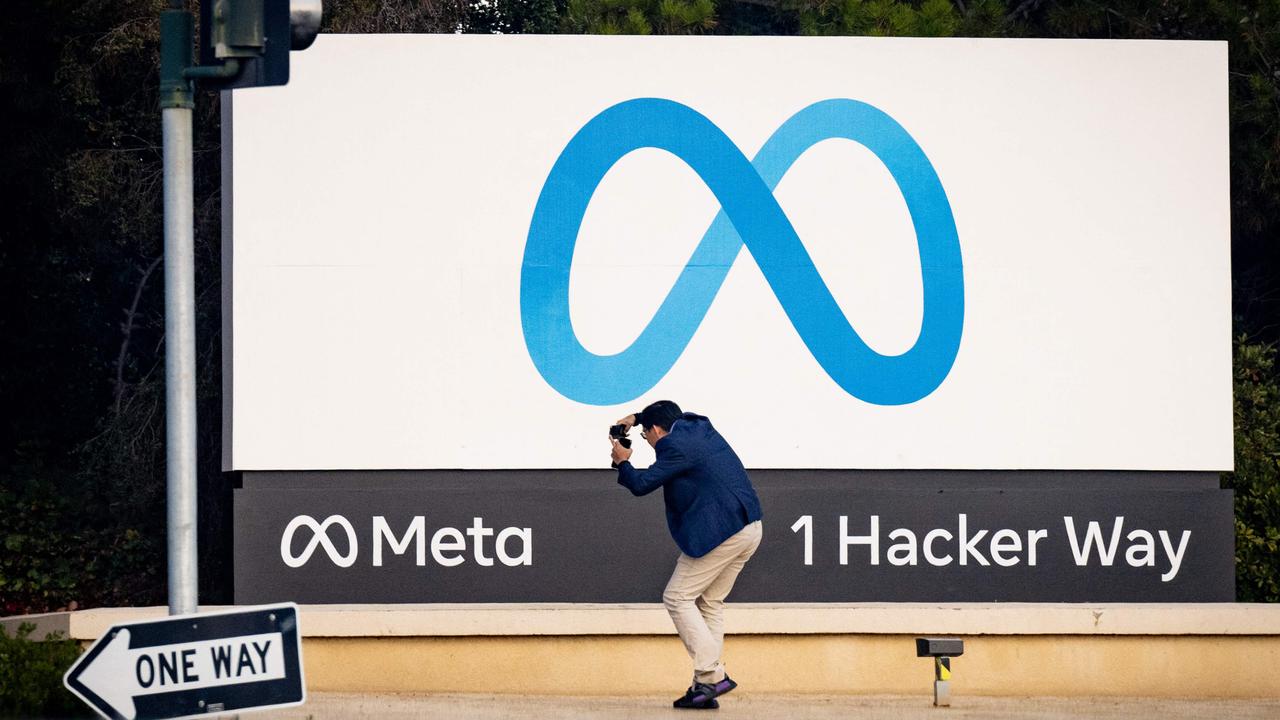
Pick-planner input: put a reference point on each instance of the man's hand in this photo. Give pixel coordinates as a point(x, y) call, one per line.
point(629, 421)
point(620, 454)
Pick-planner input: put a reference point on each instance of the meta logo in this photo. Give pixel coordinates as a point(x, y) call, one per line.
point(513, 545)
point(750, 217)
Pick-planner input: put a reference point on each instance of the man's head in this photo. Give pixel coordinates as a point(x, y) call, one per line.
point(656, 420)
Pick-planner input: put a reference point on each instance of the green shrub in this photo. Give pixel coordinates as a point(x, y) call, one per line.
point(1256, 479)
point(40, 561)
point(71, 544)
point(31, 676)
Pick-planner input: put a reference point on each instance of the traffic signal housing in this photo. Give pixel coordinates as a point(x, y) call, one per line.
point(258, 36)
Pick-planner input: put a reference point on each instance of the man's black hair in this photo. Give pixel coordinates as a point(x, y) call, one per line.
point(660, 414)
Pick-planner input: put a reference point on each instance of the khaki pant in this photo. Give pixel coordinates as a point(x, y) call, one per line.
point(695, 599)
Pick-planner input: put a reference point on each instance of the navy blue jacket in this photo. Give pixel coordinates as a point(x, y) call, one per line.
point(706, 490)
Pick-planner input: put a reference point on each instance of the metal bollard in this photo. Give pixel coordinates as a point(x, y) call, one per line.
point(941, 650)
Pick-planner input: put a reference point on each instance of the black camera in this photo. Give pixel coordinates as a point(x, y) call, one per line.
point(619, 433)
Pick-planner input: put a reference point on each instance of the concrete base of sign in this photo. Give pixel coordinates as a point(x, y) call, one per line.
point(1192, 650)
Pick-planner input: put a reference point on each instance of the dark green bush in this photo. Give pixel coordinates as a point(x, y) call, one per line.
point(31, 676)
point(1256, 479)
point(40, 562)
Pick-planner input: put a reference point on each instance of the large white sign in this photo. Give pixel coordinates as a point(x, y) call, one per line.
point(478, 252)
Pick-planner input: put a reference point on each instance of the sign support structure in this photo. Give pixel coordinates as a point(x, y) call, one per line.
point(246, 43)
point(176, 104)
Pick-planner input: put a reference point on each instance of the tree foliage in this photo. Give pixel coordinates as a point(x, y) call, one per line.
point(1256, 479)
point(82, 329)
point(395, 16)
point(931, 18)
point(633, 17)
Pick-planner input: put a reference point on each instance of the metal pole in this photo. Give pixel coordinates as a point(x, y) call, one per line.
point(176, 102)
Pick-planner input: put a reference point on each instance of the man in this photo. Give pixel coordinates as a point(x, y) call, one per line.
point(714, 516)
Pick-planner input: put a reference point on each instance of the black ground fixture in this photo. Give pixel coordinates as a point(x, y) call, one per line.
point(941, 650)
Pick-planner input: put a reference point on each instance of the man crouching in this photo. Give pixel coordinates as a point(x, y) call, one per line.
point(714, 516)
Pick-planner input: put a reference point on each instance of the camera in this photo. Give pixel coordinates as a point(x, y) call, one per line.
point(619, 433)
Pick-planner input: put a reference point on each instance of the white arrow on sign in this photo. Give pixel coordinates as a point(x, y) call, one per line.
point(120, 673)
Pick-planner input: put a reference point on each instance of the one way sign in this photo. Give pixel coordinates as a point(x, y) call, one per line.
point(189, 665)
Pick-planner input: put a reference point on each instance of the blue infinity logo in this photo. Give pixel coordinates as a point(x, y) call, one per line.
point(749, 215)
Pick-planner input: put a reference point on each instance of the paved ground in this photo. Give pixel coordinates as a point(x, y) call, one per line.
point(516, 707)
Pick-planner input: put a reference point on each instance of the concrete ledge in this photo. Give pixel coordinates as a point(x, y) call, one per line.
point(1011, 649)
point(1212, 619)
point(1193, 666)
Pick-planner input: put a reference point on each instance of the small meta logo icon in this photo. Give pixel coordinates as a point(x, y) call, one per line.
point(319, 539)
point(749, 216)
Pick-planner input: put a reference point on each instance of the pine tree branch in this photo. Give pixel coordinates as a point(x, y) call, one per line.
point(127, 327)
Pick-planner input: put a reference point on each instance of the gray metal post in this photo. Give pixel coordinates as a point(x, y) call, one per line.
point(180, 359)
point(245, 23)
point(942, 682)
point(179, 312)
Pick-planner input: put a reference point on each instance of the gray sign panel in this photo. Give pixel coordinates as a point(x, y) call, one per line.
point(546, 536)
